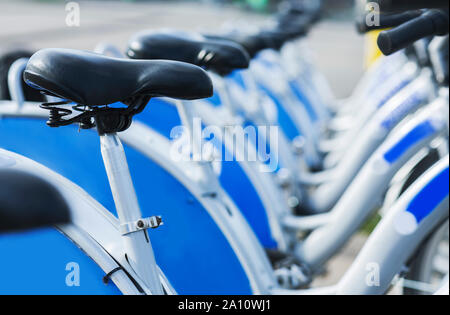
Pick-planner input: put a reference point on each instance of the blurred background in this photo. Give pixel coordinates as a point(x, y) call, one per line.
point(42, 23)
point(337, 48)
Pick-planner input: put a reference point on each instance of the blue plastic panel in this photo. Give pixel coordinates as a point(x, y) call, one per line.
point(285, 122)
point(233, 178)
point(190, 248)
point(35, 263)
point(417, 134)
point(430, 196)
point(295, 88)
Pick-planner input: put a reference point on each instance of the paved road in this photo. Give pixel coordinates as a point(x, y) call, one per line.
point(336, 46)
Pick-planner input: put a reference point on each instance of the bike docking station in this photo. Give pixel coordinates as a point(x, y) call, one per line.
point(218, 167)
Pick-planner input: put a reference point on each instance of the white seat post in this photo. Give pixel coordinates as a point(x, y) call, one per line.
point(136, 242)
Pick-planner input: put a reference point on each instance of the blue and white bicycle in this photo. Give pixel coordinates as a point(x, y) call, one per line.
point(232, 227)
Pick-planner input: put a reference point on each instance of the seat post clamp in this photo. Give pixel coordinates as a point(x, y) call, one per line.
point(140, 225)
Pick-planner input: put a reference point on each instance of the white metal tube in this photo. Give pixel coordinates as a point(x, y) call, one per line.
point(15, 81)
point(137, 245)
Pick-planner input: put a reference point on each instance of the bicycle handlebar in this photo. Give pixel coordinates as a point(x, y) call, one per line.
point(405, 5)
point(431, 23)
point(388, 20)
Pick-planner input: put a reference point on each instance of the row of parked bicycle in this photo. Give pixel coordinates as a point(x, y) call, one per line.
point(158, 209)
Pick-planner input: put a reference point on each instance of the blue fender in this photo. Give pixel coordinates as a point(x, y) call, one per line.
point(232, 178)
point(190, 248)
point(45, 262)
point(303, 100)
point(285, 122)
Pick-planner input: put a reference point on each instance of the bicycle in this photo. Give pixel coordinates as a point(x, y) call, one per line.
point(397, 139)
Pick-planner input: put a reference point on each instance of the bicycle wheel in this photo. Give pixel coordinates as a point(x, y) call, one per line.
point(430, 264)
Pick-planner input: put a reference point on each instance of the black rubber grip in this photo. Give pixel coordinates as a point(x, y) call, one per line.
point(387, 21)
point(404, 5)
point(432, 22)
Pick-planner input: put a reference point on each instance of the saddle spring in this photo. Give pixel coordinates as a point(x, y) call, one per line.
point(106, 119)
point(57, 114)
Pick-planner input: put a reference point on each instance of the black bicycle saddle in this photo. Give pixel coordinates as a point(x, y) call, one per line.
point(92, 79)
point(252, 43)
point(220, 56)
point(255, 43)
point(29, 202)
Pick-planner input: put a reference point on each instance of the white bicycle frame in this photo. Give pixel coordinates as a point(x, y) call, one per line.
point(391, 245)
point(321, 220)
point(136, 240)
point(333, 182)
point(221, 208)
point(279, 86)
point(399, 229)
point(406, 102)
point(368, 187)
point(194, 175)
point(368, 107)
point(94, 229)
point(269, 283)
